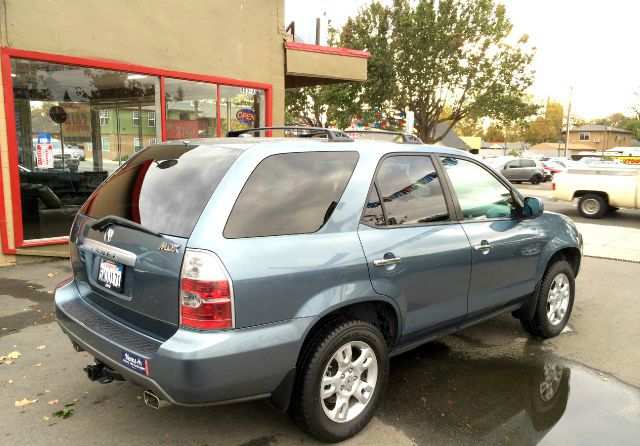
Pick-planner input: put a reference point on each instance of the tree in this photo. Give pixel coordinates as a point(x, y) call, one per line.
point(454, 53)
point(446, 55)
point(618, 120)
point(547, 127)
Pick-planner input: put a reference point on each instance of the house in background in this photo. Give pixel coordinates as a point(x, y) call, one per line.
point(598, 137)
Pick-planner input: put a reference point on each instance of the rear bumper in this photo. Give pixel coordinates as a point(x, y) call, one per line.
point(190, 368)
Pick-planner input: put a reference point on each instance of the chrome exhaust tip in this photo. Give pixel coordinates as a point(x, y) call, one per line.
point(151, 400)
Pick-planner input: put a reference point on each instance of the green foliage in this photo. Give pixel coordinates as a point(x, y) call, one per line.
point(547, 127)
point(633, 125)
point(436, 56)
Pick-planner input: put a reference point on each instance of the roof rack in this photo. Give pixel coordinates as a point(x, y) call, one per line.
point(334, 135)
point(407, 138)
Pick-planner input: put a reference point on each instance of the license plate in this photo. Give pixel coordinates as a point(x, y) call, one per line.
point(110, 275)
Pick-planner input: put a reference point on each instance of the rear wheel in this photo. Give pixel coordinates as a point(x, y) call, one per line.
point(555, 301)
point(341, 380)
point(536, 179)
point(592, 206)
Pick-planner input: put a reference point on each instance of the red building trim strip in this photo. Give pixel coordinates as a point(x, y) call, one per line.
point(163, 111)
point(14, 177)
point(299, 46)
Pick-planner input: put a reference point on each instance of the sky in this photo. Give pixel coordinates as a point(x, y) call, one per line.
point(590, 45)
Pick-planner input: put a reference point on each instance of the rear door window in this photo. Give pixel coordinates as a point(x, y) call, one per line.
point(407, 191)
point(290, 193)
point(163, 188)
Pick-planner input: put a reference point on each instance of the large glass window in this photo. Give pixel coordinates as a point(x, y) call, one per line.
point(411, 193)
point(74, 126)
point(480, 194)
point(241, 108)
point(291, 193)
point(191, 109)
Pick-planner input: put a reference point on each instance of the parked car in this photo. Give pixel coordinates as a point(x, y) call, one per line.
point(228, 270)
point(518, 170)
point(599, 189)
point(70, 151)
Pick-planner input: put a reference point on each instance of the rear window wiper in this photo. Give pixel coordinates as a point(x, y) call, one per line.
point(102, 224)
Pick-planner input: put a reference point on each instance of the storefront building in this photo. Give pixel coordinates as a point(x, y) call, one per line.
point(83, 88)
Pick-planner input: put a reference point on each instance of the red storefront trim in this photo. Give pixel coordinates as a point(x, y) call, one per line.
point(299, 46)
point(7, 53)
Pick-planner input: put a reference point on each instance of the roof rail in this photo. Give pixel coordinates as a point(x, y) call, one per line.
point(407, 138)
point(334, 135)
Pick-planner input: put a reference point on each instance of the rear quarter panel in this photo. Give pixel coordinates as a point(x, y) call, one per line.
point(282, 277)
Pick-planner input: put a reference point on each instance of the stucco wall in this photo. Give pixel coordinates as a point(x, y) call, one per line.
point(237, 39)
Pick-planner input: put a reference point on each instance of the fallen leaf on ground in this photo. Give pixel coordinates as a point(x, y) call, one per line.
point(50, 275)
point(25, 402)
point(14, 355)
point(38, 364)
point(75, 400)
point(45, 418)
point(41, 347)
point(49, 292)
point(52, 402)
point(65, 412)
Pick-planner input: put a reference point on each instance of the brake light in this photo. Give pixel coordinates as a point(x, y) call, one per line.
point(206, 295)
point(553, 186)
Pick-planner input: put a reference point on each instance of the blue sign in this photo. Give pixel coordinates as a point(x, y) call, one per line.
point(44, 138)
point(135, 362)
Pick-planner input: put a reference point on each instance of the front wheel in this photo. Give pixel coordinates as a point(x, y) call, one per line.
point(555, 301)
point(536, 179)
point(341, 380)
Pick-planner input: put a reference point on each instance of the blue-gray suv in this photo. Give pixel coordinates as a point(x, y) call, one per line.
point(233, 269)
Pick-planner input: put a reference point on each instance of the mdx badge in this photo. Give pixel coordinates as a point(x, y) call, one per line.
point(108, 235)
point(169, 247)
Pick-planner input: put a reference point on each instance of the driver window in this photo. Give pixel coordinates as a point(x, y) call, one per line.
point(480, 194)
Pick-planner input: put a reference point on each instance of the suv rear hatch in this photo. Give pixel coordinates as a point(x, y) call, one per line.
point(129, 238)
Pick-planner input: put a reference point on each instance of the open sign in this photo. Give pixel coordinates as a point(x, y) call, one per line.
point(246, 116)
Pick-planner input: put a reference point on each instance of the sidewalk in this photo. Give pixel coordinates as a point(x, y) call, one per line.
point(610, 242)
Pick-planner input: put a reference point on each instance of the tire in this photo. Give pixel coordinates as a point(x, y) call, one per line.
point(592, 206)
point(542, 324)
point(536, 179)
point(310, 411)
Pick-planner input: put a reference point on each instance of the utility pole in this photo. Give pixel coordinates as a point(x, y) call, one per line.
point(566, 140)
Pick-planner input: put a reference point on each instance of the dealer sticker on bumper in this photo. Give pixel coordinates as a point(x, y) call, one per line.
point(135, 362)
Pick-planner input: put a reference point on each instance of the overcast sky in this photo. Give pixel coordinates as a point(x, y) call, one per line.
point(588, 44)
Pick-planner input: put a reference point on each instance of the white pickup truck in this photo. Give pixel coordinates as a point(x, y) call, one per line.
point(599, 189)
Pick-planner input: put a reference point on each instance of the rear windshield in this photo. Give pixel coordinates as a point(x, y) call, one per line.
point(164, 188)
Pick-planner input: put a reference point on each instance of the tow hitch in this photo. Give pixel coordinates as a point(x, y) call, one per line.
point(101, 373)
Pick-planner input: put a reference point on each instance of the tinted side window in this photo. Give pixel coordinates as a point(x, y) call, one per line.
point(411, 191)
point(480, 194)
point(290, 193)
point(527, 163)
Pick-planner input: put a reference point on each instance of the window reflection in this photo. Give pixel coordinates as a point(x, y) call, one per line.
point(411, 191)
point(191, 109)
point(74, 126)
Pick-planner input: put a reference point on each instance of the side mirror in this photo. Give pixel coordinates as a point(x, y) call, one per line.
point(533, 207)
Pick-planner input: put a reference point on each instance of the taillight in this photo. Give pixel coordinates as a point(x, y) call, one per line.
point(553, 186)
point(206, 295)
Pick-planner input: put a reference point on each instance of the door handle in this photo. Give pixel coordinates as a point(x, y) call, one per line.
point(484, 246)
point(386, 262)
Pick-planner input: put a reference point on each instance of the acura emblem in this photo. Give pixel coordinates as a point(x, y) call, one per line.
point(108, 235)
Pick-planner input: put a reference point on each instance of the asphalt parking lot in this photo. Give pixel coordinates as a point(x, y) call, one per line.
point(489, 384)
